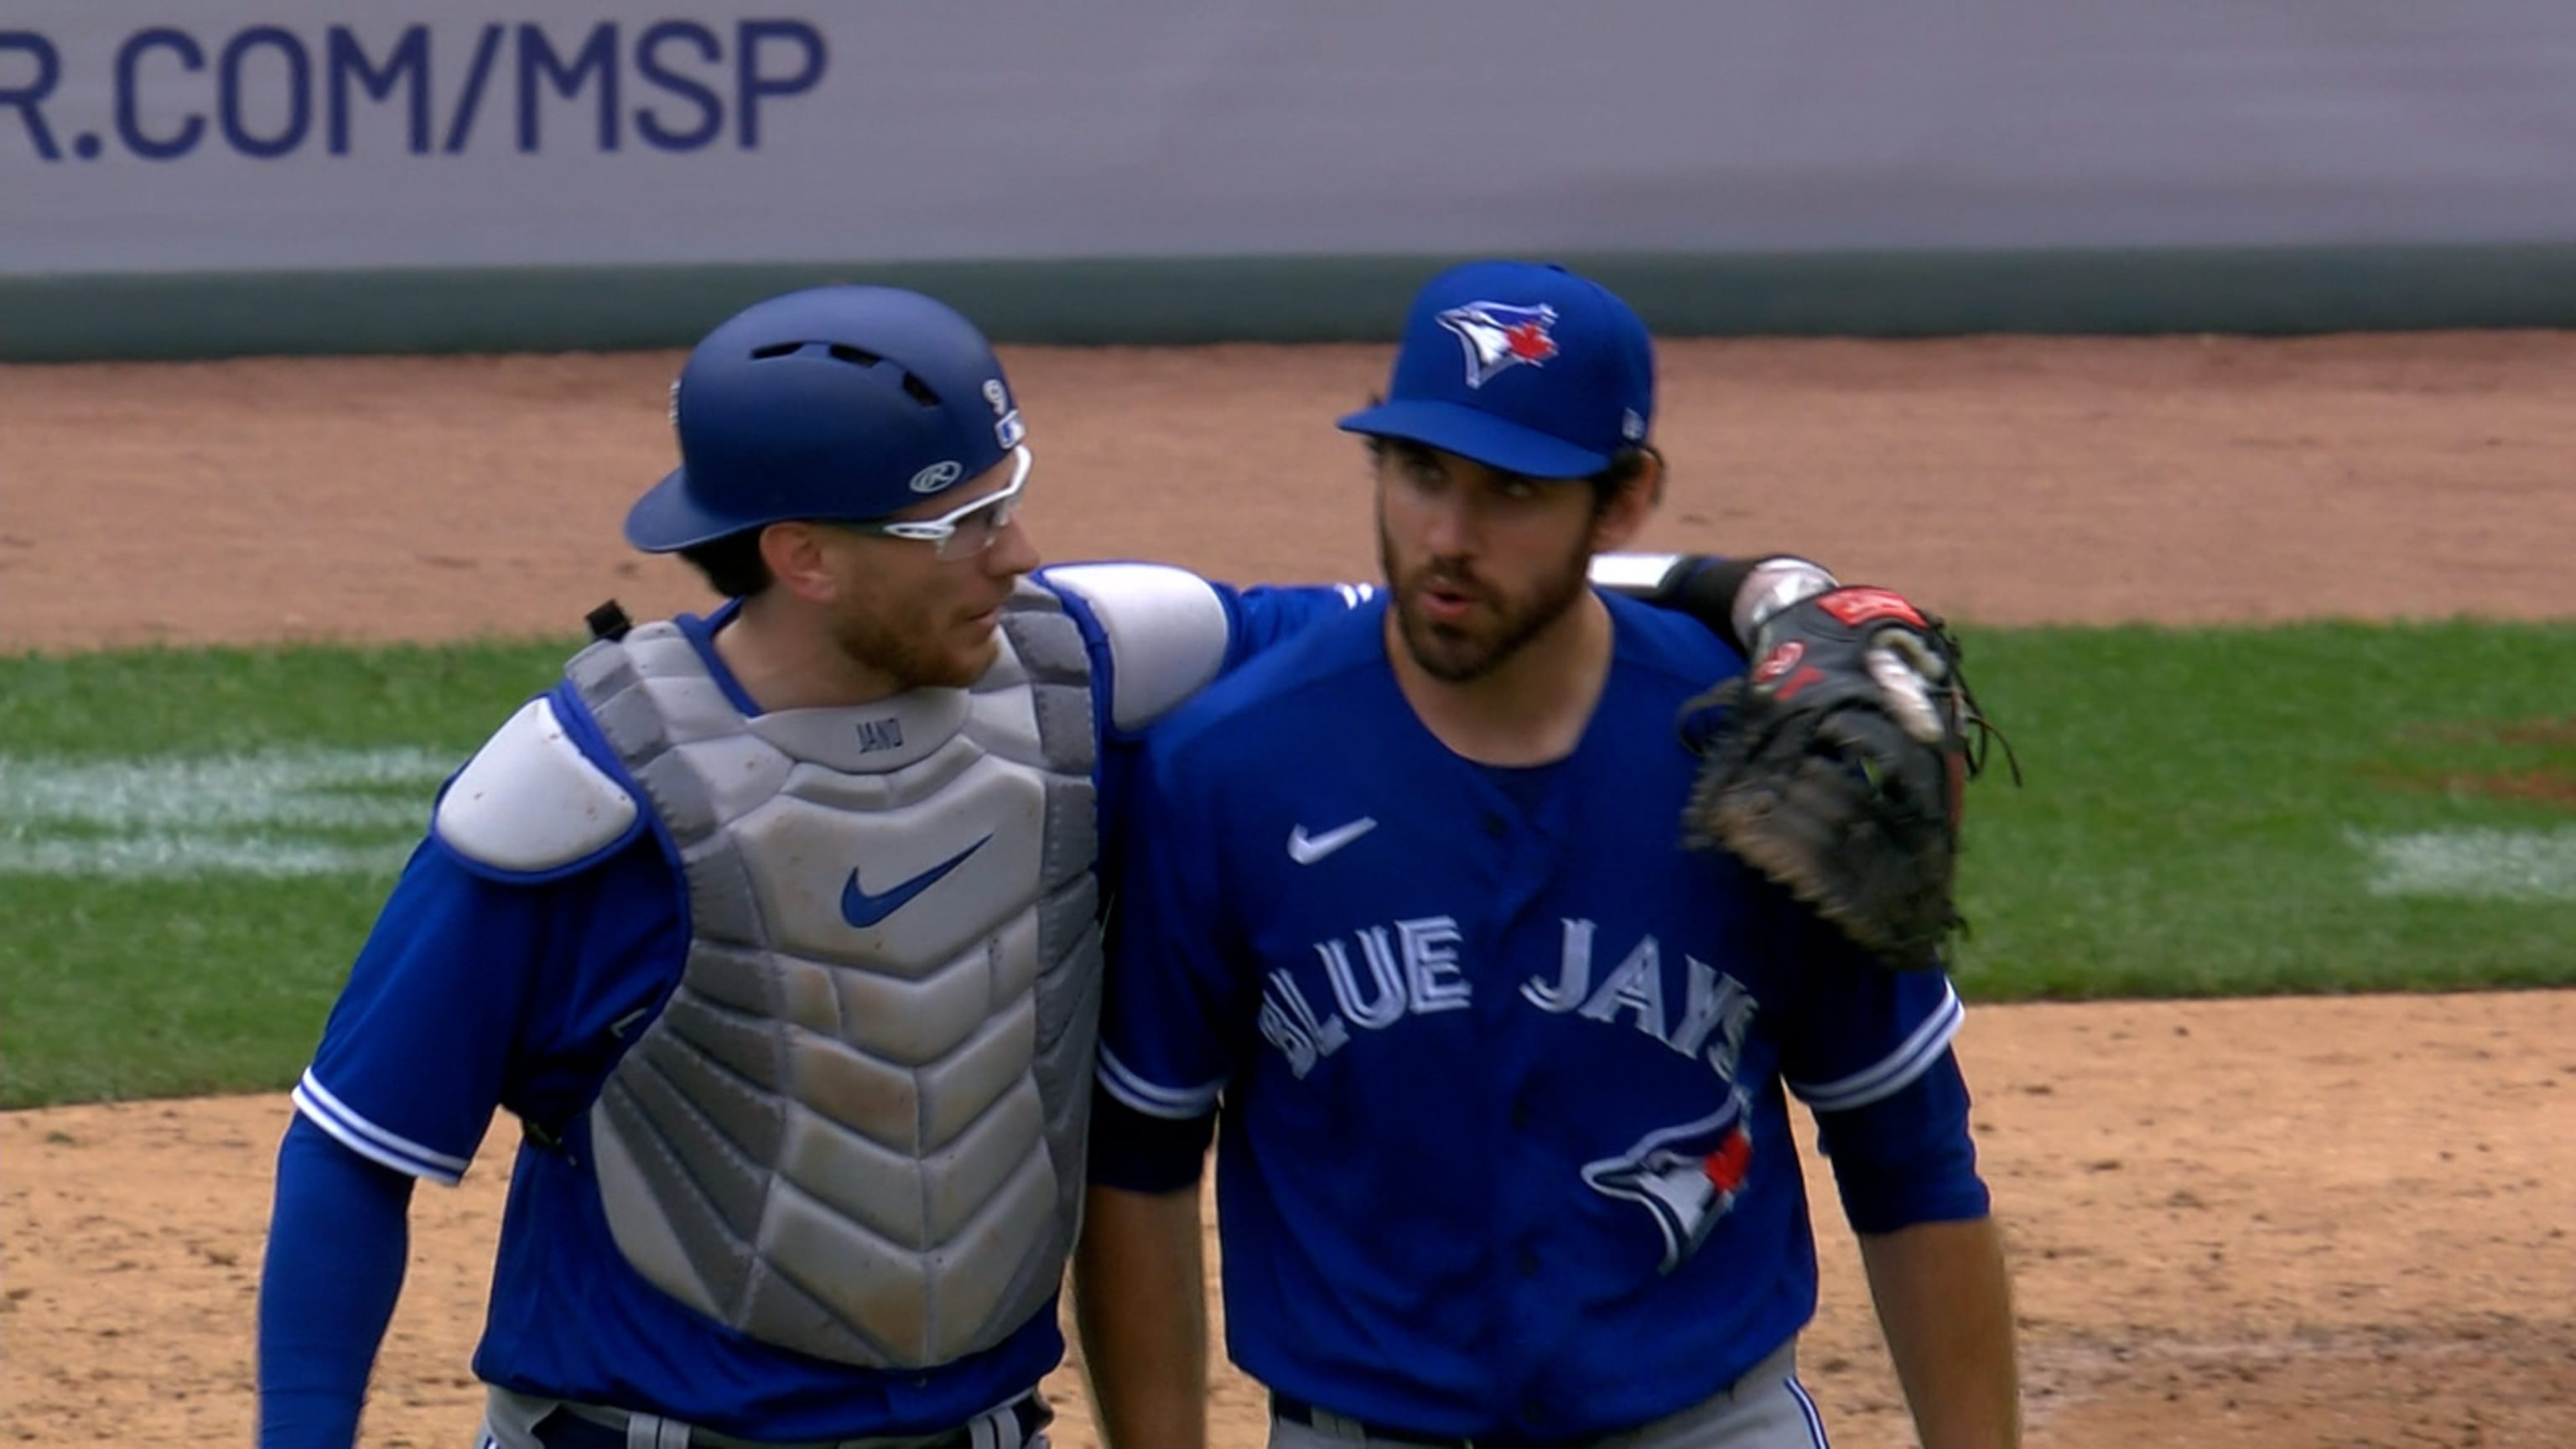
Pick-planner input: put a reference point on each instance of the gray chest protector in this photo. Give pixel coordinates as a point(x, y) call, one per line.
point(856, 1131)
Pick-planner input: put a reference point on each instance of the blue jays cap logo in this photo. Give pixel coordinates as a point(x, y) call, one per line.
point(1497, 336)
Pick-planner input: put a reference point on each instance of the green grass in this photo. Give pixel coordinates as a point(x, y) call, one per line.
point(173, 988)
point(210, 701)
point(2196, 802)
point(176, 987)
point(2196, 822)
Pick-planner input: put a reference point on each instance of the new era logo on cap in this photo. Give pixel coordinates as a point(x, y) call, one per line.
point(1529, 369)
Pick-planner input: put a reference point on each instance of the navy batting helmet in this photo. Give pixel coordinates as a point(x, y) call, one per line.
point(836, 403)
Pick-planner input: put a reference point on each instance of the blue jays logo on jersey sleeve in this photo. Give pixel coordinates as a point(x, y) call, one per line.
point(1686, 1176)
point(1497, 336)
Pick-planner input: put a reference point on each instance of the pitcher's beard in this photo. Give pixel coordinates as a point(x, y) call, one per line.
point(1496, 628)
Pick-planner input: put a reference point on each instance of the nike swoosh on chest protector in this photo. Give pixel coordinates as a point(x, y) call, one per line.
point(863, 910)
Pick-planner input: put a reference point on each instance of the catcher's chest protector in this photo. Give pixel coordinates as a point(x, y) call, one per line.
point(856, 1130)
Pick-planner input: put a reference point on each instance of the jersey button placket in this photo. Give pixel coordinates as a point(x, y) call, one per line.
point(1533, 1296)
point(1515, 864)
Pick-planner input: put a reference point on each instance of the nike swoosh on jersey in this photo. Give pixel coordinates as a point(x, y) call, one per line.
point(863, 910)
point(1307, 849)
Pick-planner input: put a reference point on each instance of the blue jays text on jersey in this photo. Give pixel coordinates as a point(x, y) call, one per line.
point(1506, 1147)
point(482, 988)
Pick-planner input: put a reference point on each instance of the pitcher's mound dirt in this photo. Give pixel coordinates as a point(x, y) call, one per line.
point(2275, 1223)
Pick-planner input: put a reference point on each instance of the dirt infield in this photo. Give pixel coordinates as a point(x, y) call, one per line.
point(2281, 1223)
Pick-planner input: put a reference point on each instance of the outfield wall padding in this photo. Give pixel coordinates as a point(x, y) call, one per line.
point(1297, 300)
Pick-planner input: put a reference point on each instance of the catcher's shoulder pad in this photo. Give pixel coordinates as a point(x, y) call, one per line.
point(531, 803)
point(1167, 631)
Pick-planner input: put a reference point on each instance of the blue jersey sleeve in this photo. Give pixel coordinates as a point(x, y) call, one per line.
point(1173, 1011)
point(1859, 1031)
point(410, 1065)
point(1156, 634)
point(337, 1238)
point(1908, 1157)
point(1270, 613)
point(1868, 1051)
point(473, 993)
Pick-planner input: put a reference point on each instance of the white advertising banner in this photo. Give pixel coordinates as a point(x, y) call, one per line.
point(221, 135)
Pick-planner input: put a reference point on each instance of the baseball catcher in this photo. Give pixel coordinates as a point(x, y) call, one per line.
point(1837, 765)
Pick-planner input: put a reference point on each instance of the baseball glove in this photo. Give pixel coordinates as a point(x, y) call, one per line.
point(1838, 766)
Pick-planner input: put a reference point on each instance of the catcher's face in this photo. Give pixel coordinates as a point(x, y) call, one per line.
point(1481, 562)
point(897, 608)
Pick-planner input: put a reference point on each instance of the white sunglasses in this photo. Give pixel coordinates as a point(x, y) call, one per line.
point(969, 530)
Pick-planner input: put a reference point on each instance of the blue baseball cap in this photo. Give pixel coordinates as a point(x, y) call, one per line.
point(1522, 367)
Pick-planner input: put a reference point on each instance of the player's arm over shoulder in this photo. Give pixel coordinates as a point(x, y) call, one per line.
point(1159, 634)
point(535, 803)
point(1730, 597)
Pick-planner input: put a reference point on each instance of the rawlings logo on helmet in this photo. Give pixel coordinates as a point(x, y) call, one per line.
point(1497, 336)
point(937, 476)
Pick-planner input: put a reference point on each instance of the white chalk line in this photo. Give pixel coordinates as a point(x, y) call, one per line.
point(273, 813)
point(2478, 863)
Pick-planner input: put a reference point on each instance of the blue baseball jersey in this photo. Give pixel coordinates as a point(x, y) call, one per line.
point(480, 990)
point(1505, 1146)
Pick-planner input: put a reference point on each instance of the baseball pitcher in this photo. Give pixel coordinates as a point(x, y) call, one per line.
point(1503, 1069)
